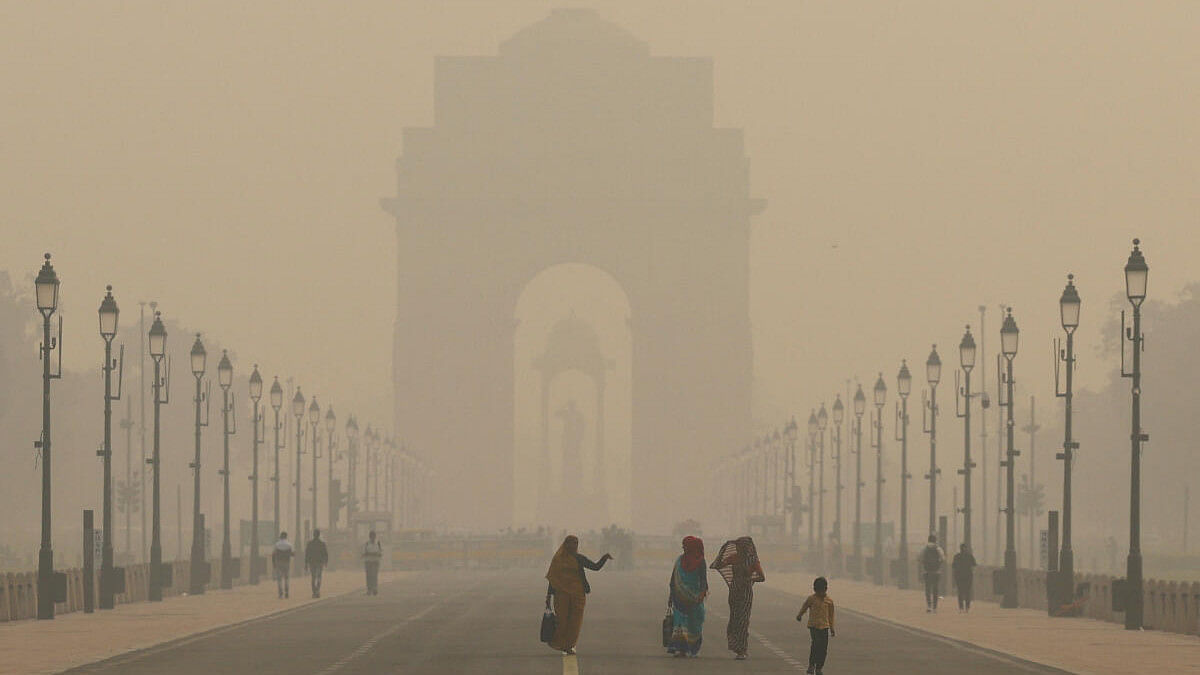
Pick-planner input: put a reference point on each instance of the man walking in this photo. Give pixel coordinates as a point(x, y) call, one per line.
point(281, 559)
point(372, 555)
point(932, 559)
point(316, 557)
point(963, 568)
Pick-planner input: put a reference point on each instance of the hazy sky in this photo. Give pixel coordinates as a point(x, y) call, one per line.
point(919, 159)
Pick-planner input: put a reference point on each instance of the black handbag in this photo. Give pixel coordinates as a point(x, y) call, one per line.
point(668, 627)
point(549, 624)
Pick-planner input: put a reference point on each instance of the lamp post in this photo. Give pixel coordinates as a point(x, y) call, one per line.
point(1136, 272)
point(276, 404)
point(256, 420)
point(812, 465)
point(158, 351)
point(929, 413)
point(330, 449)
point(903, 387)
point(839, 415)
point(46, 287)
point(198, 568)
point(860, 407)
point(790, 431)
point(351, 468)
point(298, 411)
point(966, 359)
point(109, 314)
point(225, 380)
point(314, 419)
point(1008, 347)
point(368, 437)
point(1068, 309)
point(880, 396)
point(822, 424)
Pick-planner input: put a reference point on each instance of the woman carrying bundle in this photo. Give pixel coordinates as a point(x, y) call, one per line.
point(738, 564)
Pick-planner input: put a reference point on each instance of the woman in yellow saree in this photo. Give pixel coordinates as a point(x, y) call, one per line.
point(568, 588)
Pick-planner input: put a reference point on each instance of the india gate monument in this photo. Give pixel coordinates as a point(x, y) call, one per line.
point(572, 336)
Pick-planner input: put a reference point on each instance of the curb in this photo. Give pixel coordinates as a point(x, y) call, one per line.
point(131, 655)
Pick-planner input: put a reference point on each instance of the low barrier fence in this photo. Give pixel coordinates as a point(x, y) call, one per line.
point(1171, 606)
point(18, 591)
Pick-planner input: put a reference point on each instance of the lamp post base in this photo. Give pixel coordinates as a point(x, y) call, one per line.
point(1135, 597)
point(199, 576)
point(1009, 601)
point(45, 583)
point(155, 591)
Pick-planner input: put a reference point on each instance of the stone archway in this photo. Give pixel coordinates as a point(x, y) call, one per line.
point(573, 144)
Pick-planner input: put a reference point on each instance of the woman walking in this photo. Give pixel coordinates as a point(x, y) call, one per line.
point(569, 588)
point(689, 588)
point(738, 564)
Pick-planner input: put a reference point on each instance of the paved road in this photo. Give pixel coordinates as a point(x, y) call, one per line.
point(487, 623)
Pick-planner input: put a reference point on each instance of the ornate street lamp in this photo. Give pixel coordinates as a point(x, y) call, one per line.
point(813, 430)
point(199, 567)
point(929, 414)
point(109, 315)
point(1068, 307)
point(966, 353)
point(162, 396)
point(331, 451)
point(314, 419)
point(369, 438)
point(860, 407)
point(1136, 272)
point(46, 292)
point(904, 388)
point(1009, 336)
point(822, 424)
point(880, 399)
point(351, 469)
point(256, 421)
point(298, 412)
point(225, 380)
point(839, 415)
point(276, 404)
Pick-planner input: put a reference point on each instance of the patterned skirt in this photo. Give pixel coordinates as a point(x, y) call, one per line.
point(687, 631)
point(740, 601)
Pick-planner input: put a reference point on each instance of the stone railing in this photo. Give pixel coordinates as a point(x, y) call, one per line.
point(18, 591)
point(1169, 605)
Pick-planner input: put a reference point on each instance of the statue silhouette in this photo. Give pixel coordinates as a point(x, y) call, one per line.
point(574, 428)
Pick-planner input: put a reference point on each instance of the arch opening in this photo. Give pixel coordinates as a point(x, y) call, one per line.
point(573, 386)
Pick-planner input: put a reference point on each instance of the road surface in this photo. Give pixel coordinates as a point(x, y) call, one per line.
point(487, 622)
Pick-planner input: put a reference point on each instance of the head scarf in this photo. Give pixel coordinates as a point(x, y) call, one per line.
point(564, 574)
point(693, 554)
point(732, 552)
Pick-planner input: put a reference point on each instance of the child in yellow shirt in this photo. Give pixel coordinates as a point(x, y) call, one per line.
point(820, 624)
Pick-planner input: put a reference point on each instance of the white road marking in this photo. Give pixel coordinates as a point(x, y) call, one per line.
point(784, 656)
point(366, 647)
point(570, 664)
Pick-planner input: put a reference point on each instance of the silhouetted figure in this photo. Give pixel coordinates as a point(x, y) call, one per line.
point(372, 555)
point(963, 569)
point(281, 558)
point(574, 428)
point(316, 557)
point(932, 559)
point(568, 586)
